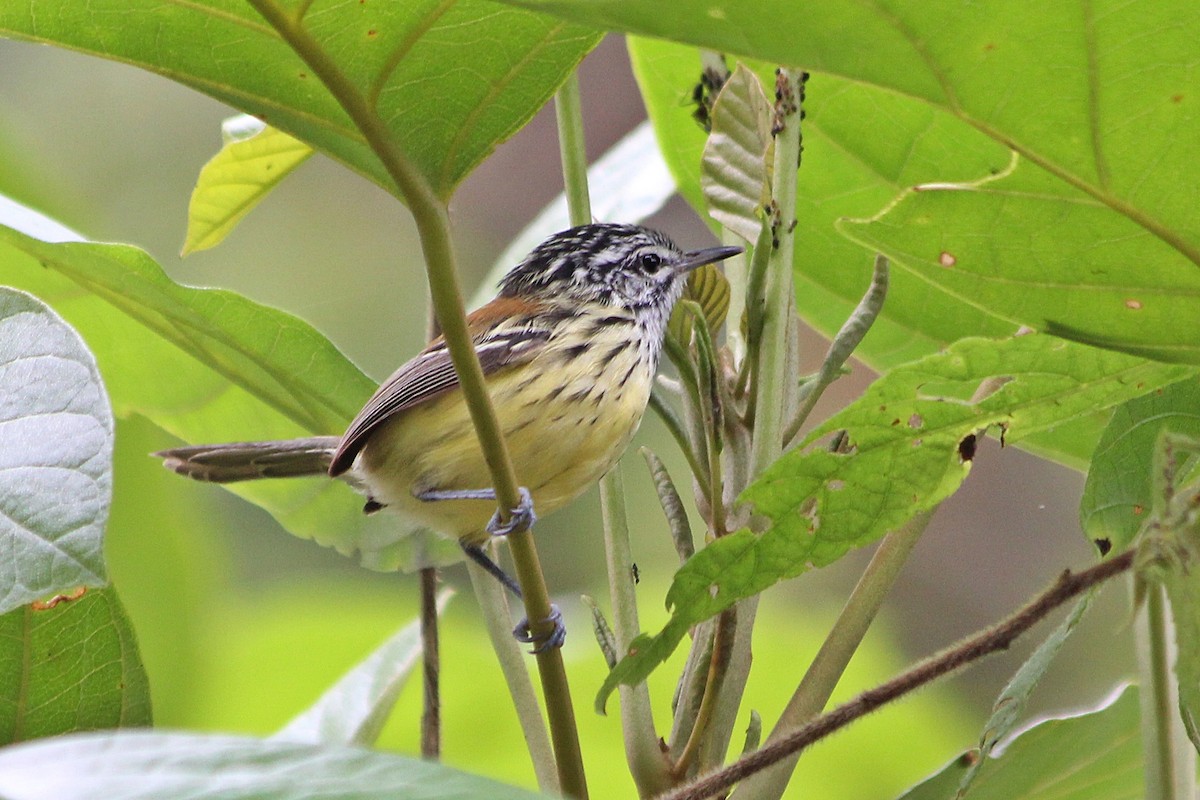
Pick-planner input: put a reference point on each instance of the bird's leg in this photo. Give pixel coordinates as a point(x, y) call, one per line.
point(522, 519)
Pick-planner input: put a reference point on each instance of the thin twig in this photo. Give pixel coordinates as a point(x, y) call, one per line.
point(431, 714)
point(986, 642)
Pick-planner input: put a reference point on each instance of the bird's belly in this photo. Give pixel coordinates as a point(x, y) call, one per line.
point(563, 431)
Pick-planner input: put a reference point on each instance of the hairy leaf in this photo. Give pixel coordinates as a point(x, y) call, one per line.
point(56, 443)
point(737, 157)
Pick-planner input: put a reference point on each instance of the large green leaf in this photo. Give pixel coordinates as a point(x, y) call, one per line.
point(209, 365)
point(56, 444)
point(1039, 252)
point(1097, 92)
point(910, 438)
point(449, 79)
point(70, 664)
point(142, 766)
point(1092, 756)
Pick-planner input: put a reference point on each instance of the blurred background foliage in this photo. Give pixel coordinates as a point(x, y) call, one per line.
point(241, 626)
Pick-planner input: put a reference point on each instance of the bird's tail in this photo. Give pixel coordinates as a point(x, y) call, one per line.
point(243, 461)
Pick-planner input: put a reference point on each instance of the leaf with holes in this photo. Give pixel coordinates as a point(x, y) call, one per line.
point(910, 439)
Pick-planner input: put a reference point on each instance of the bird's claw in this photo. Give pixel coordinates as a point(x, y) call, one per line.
point(520, 518)
point(555, 638)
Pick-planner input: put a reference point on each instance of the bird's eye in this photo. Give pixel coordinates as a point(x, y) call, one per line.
point(650, 261)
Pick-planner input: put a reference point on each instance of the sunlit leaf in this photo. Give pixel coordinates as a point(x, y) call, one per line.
point(910, 440)
point(152, 766)
point(448, 80)
point(252, 162)
point(70, 664)
point(56, 441)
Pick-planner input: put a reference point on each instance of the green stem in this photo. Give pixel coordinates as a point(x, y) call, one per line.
point(635, 707)
point(839, 647)
point(843, 346)
point(433, 228)
point(573, 151)
point(647, 762)
point(772, 355)
point(1169, 766)
point(493, 605)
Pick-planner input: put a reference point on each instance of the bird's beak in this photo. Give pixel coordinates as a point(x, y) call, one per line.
point(698, 258)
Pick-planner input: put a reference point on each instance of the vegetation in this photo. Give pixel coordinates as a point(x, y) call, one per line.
point(990, 206)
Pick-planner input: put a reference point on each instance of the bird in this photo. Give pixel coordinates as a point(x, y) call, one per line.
point(569, 349)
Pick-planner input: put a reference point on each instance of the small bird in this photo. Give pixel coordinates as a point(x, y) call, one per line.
point(569, 349)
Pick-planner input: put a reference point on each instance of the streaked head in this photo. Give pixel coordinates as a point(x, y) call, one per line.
point(620, 265)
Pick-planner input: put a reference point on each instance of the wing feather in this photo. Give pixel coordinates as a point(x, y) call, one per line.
point(516, 339)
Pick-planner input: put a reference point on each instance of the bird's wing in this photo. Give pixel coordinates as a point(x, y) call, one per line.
point(507, 332)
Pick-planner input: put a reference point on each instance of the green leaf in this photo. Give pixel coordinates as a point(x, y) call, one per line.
point(354, 710)
point(1091, 756)
point(1009, 706)
point(1059, 84)
point(56, 443)
point(448, 79)
point(1042, 253)
point(209, 365)
point(151, 766)
point(70, 664)
point(737, 157)
point(1118, 494)
point(1072, 130)
point(253, 161)
point(904, 436)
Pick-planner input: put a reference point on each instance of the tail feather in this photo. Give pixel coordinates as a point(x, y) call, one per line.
point(242, 461)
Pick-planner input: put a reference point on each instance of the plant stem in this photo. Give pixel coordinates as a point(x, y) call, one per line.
point(777, 294)
point(647, 762)
point(433, 228)
point(839, 647)
point(431, 717)
point(572, 149)
point(493, 605)
point(998, 637)
point(1169, 764)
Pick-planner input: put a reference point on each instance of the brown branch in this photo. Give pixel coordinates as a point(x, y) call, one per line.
point(431, 715)
point(986, 642)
